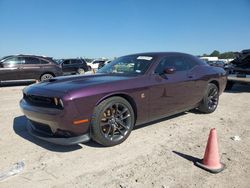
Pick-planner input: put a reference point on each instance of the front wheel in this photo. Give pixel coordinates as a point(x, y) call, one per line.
point(112, 122)
point(210, 100)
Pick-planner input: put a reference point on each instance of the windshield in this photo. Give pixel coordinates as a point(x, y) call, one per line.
point(58, 61)
point(134, 64)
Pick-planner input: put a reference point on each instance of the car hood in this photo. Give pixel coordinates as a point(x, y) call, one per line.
point(69, 83)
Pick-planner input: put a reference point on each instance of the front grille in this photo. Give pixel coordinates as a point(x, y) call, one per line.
point(41, 101)
point(42, 127)
point(45, 129)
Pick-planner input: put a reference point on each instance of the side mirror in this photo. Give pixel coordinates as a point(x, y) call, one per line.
point(169, 70)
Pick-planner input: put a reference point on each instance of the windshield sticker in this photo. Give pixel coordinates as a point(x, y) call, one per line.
point(148, 58)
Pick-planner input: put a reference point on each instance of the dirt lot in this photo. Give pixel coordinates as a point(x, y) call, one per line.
point(157, 155)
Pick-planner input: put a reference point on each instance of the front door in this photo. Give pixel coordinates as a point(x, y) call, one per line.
point(31, 68)
point(171, 93)
point(67, 67)
point(9, 69)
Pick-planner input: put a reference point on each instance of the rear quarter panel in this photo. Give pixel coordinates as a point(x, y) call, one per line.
point(208, 74)
point(51, 68)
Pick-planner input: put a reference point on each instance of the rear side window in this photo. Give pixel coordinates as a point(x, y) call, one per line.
point(192, 61)
point(76, 61)
point(32, 60)
point(176, 62)
point(180, 63)
point(43, 61)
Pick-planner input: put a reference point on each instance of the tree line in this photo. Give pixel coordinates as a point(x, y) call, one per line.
point(225, 55)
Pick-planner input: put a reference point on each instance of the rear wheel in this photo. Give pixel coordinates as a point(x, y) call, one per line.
point(46, 76)
point(113, 121)
point(210, 100)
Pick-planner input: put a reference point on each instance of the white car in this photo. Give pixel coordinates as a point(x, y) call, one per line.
point(96, 64)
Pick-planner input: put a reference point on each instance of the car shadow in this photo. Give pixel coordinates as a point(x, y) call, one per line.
point(159, 120)
point(19, 126)
point(239, 88)
point(11, 84)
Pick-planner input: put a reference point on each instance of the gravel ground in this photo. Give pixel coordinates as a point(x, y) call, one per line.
point(160, 154)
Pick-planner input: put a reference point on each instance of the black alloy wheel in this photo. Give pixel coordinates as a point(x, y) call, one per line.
point(210, 100)
point(116, 121)
point(213, 98)
point(113, 121)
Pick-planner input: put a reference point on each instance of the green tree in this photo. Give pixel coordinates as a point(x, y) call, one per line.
point(215, 53)
point(227, 55)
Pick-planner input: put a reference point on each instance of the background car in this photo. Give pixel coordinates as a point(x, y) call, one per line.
point(96, 64)
point(28, 68)
point(73, 66)
point(239, 69)
point(217, 63)
point(129, 91)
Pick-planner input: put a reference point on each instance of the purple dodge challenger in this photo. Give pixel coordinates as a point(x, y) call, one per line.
point(129, 91)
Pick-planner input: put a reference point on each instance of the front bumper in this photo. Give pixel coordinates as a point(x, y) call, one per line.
point(54, 125)
point(56, 140)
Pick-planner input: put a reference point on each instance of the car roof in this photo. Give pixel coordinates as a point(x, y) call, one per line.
point(72, 59)
point(50, 59)
point(159, 54)
point(24, 55)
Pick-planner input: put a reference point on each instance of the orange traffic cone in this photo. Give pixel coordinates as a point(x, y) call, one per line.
point(211, 161)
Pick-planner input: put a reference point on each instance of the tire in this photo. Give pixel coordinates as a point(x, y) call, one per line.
point(229, 85)
point(80, 71)
point(46, 76)
point(112, 122)
point(210, 100)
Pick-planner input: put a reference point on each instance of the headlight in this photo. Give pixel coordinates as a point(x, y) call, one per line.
point(58, 102)
point(61, 102)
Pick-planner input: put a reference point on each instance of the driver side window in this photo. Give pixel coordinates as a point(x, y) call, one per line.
point(13, 61)
point(176, 62)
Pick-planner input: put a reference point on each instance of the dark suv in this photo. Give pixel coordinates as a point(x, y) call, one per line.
point(27, 68)
point(74, 66)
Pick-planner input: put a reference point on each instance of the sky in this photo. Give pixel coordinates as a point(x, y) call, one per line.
point(112, 28)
